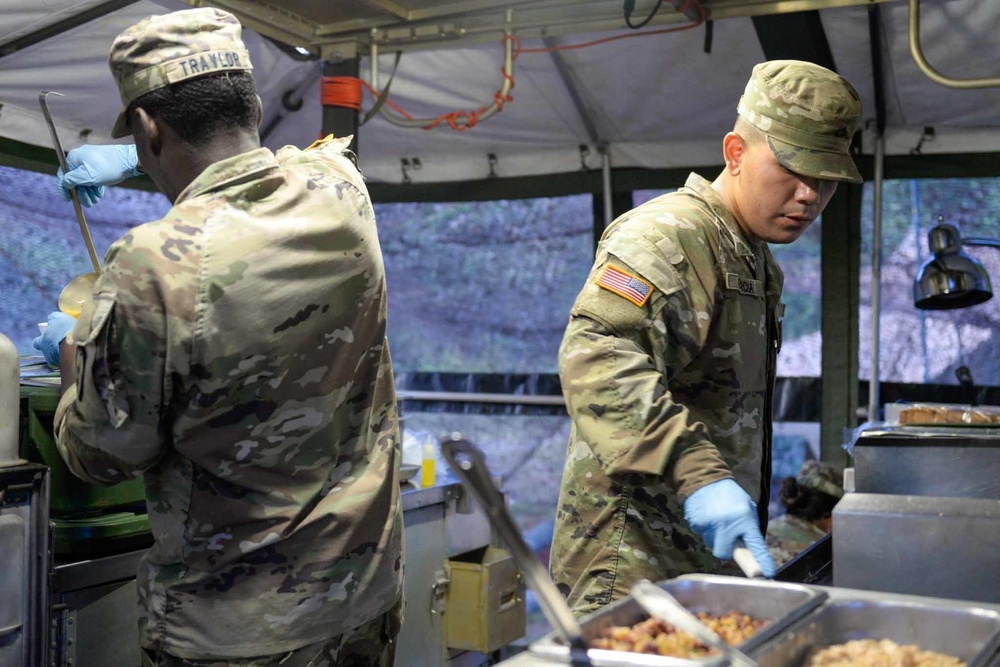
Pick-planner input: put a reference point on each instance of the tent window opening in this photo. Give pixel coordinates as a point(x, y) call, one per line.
point(483, 287)
point(920, 346)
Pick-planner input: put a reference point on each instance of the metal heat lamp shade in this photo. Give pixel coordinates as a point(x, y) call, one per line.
point(950, 278)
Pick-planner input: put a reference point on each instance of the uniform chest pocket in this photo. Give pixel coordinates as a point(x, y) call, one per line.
point(745, 307)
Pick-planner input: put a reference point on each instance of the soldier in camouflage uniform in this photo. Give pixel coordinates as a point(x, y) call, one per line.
point(234, 354)
point(809, 499)
point(668, 361)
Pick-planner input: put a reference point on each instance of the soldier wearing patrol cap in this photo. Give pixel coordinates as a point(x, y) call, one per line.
point(809, 499)
point(234, 354)
point(668, 362)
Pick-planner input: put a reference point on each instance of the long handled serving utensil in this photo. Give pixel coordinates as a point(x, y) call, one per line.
point(467, 462)
point(79, 290)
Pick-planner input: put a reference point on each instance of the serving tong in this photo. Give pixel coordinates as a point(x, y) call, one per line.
point(467, 462)
point(664, 606)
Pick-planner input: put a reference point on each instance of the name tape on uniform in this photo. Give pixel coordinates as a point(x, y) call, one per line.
point(622, 283)
point(746, 286)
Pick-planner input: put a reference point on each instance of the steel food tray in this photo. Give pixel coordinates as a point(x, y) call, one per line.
point(959, 629)
point(779, 604)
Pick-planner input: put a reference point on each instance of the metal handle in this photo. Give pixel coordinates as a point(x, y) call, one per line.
point(467, 462)
point(72, 191)
point(744, 558)
point(663, 605)
point(10, 630)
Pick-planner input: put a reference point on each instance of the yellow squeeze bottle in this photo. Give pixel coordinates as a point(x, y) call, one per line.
point(427, 472)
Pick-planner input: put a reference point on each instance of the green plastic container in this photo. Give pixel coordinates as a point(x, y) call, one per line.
point(71, 496)
point(86, 518)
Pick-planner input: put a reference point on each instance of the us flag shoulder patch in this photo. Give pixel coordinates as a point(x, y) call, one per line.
point(633, 288)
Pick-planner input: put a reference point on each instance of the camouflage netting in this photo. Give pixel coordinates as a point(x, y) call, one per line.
point(41, 248)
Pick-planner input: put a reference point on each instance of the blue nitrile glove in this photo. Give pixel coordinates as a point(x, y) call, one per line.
point(60, 324)
point(91, 167)
point(722, 512)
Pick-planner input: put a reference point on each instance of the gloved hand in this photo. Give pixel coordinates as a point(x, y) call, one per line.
point(722, 512)
point(91, 167)
point(60, 324)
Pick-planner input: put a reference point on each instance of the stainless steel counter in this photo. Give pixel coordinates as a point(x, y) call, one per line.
point(415, 497)
point(939, 461)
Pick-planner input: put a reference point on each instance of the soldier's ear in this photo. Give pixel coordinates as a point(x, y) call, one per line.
point(734, 148)
point(147, 129)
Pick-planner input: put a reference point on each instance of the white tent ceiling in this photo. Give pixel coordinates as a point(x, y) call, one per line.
point(656, 101)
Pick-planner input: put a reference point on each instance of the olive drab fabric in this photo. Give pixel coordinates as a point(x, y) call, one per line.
point(822, 476)
point(235, 355)
point(370, 645)
point(666, 396)
point(809, 114)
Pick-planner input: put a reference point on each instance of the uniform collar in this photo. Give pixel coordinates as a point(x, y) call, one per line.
point(217, 175)
point(702, 187)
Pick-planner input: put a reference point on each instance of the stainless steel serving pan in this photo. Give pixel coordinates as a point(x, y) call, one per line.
point(958, 629)
point(780, 604)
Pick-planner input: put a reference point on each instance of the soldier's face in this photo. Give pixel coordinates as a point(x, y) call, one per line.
point(775, 204)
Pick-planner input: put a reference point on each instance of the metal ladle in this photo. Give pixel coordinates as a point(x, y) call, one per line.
point(467, 462)
point(664, 606)
point(81, 288)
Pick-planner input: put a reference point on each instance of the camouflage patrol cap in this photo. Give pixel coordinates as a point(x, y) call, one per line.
point(821, 476)
point(809, 115)
point(167, 48)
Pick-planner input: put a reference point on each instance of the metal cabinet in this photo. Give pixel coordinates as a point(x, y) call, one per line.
point(94, 614)
point(24, 549)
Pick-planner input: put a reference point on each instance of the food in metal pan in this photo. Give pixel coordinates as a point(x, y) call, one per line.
point(655, 637)
point(879, 653)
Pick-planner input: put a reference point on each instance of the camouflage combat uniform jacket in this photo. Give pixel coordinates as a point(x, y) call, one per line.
point(667, 376)
point(235, 355)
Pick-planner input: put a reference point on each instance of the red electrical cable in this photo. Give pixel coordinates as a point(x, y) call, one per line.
point(646, 33)
point(346, 91)
point(341, 91)
point(499, 98)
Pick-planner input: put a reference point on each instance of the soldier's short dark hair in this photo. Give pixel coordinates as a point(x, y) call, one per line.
point(198, 108)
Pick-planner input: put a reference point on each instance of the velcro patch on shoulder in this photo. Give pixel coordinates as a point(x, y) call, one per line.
point(745, 286)
point(625, 284)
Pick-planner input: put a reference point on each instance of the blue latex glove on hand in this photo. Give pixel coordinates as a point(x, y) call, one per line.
point(722, 512)
point(91, 167)
point(60, 324)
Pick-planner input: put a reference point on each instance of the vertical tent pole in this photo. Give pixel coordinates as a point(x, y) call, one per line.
point(606, 183)
point(873, 384)
point(338, 120)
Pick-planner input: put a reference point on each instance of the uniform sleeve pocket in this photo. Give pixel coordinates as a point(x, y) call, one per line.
point(103, 306)
point(99, 386)
point(649, 260)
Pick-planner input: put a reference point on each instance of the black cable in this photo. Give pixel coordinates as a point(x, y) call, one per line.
point(630, 5)
point(384, 95)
